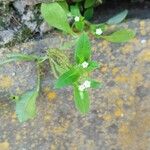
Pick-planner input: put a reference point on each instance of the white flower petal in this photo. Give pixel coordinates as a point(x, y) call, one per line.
point(76, 18)
point(87, 84)
point(81, 87)
point(85, 64)
point(99, 31)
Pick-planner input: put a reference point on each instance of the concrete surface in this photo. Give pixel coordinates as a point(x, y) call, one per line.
point(120, 112)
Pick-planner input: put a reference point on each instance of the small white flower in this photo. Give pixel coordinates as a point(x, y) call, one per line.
point(99, 31)
point(85, 64)
point(81, 87)
point(76, 19)
point(87, 84)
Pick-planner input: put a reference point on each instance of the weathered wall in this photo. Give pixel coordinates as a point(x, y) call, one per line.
point(120, 112)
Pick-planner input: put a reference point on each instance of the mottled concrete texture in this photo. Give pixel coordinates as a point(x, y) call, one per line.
point(120, 112)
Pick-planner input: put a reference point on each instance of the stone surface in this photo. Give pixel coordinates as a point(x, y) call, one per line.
point(44, 27)
point(120, 111)
point(20, 6)
point(6, 36)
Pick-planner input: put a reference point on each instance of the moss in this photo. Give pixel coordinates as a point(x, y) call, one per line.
point(127, 48)
point(131, 134)
point(107, 117)
point(118, 113)
point(58, 130)
point(51, 95)
point(121, 79)
point(144, 56)
point(115, 70)
point(4, 146)
point(5, 82)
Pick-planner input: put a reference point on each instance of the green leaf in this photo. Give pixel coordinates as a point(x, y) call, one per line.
point(82, 101)
point(92, 66)
point(102, 26)
point(22, 57)
point(96, 26)
point(83, 49)
point(77, 0)
point(68, 78)
point(18, 57)
point(64, 5)
point(89, 3)
point(95, 84)
point(123, 35)
point(3, 62)
point(59, 69)
point(55, 16)
point(88, 14)
point(75, 11)
point(26, 106)
point(79, 25)
point(118, 18)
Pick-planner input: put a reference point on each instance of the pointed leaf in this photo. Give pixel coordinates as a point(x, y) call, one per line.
point(22, 57)
point(88, 14)
point(75, 11)
point(122, 35)
point(83, 49)
point(82, 101)
point(79, 25)
point(26, 106)
point(95, 84)
point(3, 62)
point(64, 5)
point(18, 57)
point(118, 18)
point(68, 78)
point(55, 16)
point(92, 66)
point(89, 3)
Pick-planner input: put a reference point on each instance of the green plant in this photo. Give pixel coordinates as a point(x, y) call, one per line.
point(84, 7)
point(76, 75)
point(59, 20)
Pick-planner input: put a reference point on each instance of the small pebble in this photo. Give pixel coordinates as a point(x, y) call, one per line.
point(143, 41)
point(13, 74)
point(122, 115)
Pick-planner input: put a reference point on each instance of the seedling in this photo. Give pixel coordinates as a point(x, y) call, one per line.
point(76, 75)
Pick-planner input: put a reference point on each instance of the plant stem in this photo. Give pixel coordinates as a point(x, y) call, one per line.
point(43, 59)
point(87, 23)
point(38, 77)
